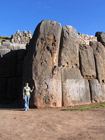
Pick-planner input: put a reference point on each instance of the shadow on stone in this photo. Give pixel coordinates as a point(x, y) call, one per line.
point(11, 71)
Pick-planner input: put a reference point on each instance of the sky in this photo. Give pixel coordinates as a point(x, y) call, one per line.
point(86, 16)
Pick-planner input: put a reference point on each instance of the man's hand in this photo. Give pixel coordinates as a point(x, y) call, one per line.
point(23, 97)
point(32, 87)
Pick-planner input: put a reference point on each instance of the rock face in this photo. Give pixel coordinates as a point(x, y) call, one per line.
point(72, 92)
point(69, 49)
point(66, 68)
point(21, 38)
point(71, 73)
point(85, 39)
point(45, 71)
point(87, 62)
point(76, 91)
point(99, 53)
point(17, 41)
point(100, 37)
point(97, 91)
point(62, 66)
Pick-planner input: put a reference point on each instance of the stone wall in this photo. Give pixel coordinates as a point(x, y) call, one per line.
point(66, 68)
point(17, 41)
point(85, 39)
point(21, 38)
point(12, 53)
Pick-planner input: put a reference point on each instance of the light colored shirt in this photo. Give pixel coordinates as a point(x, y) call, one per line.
point(27, 91)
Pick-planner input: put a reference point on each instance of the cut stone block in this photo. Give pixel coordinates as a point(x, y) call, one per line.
point(97, 91)
point(87, 62)
point(69, 48)
point(71, 73)
point(41, 64)
point(99, 53)
point(76, 92)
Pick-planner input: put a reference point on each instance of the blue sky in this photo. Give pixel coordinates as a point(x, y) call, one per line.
point(86, 16)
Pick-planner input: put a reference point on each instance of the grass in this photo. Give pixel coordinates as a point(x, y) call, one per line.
point(4, 38)
point(85, 108)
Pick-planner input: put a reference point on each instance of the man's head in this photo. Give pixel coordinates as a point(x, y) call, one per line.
point(26, 84)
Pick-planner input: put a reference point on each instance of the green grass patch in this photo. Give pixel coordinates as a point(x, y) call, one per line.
point(84, 108)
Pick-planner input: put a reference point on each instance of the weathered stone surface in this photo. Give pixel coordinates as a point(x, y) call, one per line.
point(99, 53)
point(76, 92)
point(7, 48)
point(74, 88)
point(4, 51)
point(85, 39)
point(18, 46)
point(21, 38)
point(100, 37)
point(49, 92)
point(6, 43)
point(87, 62)
point(97, 91)
point(69, 49)
point(71, 73)
point(41, 64)
point(56, 61)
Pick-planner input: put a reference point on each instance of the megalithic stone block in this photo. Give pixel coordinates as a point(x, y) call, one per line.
point(49, 92)
point(75, 89)
point(41, 64)
point(99, 53)
point(71, 73)
point(97, 91)
point(69, 49)
point(87, 62)
point(100, 37)
point(76, 92)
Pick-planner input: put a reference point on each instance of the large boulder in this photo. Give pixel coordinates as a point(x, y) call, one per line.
point(41, 64)
point(87, 63)
point(100, 37)
point(71, 73)
point(75, 89)
point(97, 91)
point(3, 50)
point(6, 43)
point(99, 53)
point(69, 49)
point(76, 92)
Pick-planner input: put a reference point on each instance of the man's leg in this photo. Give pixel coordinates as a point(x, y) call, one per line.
point(28, 99)
point(25, 105)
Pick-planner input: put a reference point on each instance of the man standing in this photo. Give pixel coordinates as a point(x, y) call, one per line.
point(26, 95)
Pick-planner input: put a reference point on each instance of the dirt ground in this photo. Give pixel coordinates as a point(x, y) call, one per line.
point(52, 124)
